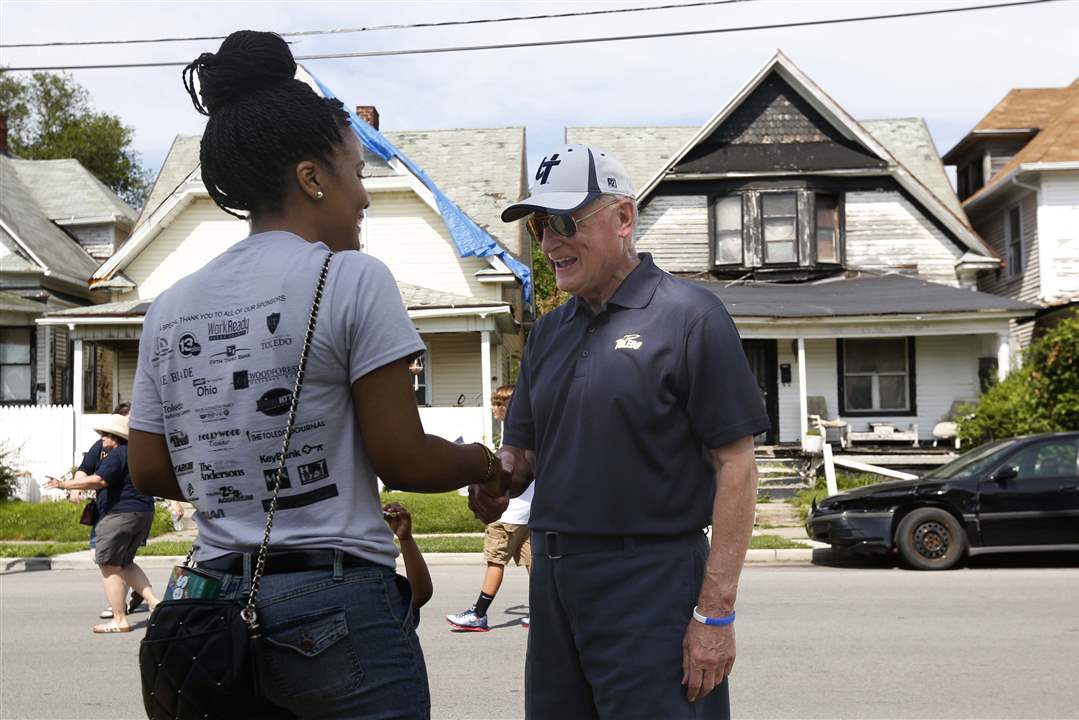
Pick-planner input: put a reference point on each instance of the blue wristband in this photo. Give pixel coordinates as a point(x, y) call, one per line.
point(714, 622)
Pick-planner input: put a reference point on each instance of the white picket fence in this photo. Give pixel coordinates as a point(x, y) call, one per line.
point(43, 438)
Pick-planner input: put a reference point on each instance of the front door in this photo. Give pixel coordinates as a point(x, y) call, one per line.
point(1040, 506)
point(762, 360)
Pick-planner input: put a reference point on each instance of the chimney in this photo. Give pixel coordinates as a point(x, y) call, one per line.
point(369, 114)
point(3, 133)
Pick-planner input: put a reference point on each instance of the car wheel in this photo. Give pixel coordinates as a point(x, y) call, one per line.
point(930, 539)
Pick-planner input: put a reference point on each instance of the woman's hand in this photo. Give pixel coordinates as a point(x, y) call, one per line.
point(55, 483)
point(399, 520)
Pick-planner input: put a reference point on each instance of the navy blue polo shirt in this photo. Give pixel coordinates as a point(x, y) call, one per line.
point(120, 494)
point(622, 407)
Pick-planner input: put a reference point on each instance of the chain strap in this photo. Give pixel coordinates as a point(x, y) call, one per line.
point(249, 615)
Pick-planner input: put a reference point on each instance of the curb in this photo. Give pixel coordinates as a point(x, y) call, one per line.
point(805, 556)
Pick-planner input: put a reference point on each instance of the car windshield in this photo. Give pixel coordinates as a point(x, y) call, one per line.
point(972, 462)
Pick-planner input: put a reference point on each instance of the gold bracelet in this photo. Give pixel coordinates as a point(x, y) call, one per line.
point(489, 475)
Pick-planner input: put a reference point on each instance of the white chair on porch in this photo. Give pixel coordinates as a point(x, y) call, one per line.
point(817, 408)
point(947, 429)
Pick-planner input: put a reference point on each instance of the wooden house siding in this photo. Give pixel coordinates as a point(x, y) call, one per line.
point(455, 368)
point(1058, 221)
point(1027, 285)
point(946, 370)
point(406, 234)
point(674, 228)
point(886, 232)
point(201, 232)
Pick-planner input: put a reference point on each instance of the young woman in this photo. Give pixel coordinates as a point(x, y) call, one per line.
point(217, 365)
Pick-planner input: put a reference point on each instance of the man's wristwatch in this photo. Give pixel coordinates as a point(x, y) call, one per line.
point(726, 619)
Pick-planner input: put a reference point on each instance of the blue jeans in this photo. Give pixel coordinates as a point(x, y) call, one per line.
point(338, 644)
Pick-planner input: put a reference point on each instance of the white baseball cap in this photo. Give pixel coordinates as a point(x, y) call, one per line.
point(569, 178)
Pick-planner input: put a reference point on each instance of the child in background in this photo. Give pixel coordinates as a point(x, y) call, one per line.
point(419, 577)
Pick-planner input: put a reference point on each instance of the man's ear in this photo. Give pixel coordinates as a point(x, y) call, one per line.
point(627, 218)
point(308, 176)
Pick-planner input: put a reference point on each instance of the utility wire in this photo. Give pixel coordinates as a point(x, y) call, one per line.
point(577, 41)
point(411, 26)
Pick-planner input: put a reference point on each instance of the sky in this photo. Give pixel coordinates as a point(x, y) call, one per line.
point(948, 69)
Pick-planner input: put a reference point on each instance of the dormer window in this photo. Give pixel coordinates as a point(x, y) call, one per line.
point(779, 218)
point(776, 228)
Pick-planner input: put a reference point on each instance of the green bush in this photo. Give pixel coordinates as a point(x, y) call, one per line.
point(1041, 396)
point(57, 522)
point(8, 474)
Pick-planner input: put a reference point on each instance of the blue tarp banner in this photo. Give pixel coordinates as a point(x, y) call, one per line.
point(469, 238)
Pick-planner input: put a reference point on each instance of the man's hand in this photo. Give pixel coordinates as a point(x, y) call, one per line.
point(707, 657)
point(518, 465)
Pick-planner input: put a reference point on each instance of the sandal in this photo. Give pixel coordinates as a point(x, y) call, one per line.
point(108, 628)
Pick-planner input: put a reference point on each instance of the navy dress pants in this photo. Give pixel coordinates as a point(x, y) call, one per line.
point(606, 631)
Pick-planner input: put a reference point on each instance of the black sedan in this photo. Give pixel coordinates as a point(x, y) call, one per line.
point(1019, 494)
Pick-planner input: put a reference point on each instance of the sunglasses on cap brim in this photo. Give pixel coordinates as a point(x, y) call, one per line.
point(564, 225)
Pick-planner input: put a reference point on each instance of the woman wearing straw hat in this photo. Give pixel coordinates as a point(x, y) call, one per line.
point(125, 522)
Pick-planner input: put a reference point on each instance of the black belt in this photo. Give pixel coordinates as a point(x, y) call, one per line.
point(285, 561)
point(556, 545)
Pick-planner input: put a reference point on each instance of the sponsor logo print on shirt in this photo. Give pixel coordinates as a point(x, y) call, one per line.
point(313, 472)
point(271, 477)
point(189, 345)
point(214, 413)
point(243, 379)
point(229, 494)
point(173, 410)
point(290, 502)
point(205, 387)
point(220, 471)
point(275, 402)
point(277, 432)
point(184, 468)
point(173, 376)
point(190, 494)
point(272, 320)
point(213, 514)
point(219, 439)
point(275, 342)
point(628, 342)
point(230, 354)
point(227, 329)
point(179, 440)
point(276, 457)
point(162, 352)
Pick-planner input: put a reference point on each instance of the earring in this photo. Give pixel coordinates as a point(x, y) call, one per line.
point(318, 195)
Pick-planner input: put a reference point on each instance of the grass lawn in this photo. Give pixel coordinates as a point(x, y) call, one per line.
point(57, 521)
point(774, 542)
point(44, 549)
point(437, 513)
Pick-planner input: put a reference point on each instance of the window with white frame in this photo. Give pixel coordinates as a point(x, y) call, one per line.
point(779, 226)
point(876, 376)
point(16, 375)
point(1013, 238)
point(728, 230)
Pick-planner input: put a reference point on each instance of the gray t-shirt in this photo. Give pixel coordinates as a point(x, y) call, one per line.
point(217, 364)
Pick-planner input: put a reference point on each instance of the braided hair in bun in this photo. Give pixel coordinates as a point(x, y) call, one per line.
point(262, 121)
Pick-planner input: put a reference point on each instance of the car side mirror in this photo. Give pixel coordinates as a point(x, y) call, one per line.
point(1006, 473)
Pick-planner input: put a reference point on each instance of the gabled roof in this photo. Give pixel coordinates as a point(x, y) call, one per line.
point(51, 250)
point(68, 193)
point(890, 294)
point(1057, 140)
point(182, 158)
point(850, 130)
point(1025, 108)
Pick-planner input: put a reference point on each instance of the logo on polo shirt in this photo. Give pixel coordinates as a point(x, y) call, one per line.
point(628, 342)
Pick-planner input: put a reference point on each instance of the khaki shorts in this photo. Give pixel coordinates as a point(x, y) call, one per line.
point(119, 536)
point(503, 541)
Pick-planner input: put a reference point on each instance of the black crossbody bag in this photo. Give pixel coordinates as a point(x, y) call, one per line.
point(198, 657)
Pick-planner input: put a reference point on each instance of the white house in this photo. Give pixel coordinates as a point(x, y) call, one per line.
point(1018, 176)
point(839, 248)
point(468, 310)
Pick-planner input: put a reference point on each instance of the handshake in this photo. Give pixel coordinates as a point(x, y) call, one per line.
point(512, 476)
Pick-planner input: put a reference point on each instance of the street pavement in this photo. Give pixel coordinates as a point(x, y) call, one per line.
point(999, 639)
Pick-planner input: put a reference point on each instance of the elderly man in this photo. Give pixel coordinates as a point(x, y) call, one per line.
point(634, 410)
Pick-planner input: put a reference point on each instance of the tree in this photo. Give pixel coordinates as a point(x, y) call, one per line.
point(1041, 396)
point(548, 296)
point(49, 118)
